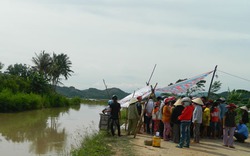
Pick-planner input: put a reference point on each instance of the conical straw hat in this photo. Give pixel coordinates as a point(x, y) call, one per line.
point(178, 102)
point(244, 108)
point(198, 101)
point(133, 100)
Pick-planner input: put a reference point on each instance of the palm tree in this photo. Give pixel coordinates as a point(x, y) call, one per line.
point(42, 63)
point(60, 67)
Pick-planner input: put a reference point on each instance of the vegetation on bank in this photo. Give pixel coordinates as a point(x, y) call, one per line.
point(94, 101)
point(103, 144)
point(24, 87)
point(94, 145)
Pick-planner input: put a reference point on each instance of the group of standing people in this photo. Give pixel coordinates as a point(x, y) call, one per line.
point(179, 119)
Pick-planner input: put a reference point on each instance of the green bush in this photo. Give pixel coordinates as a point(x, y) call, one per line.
point(56, 100)
point(10, 102)
point(5, 97)
point(75, 101)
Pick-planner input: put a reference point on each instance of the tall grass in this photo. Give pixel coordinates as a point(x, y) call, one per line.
point(16, 102)
point(93, 145)
point(103, 144)
point(10, 102)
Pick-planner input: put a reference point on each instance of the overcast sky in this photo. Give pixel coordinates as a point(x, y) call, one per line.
point(121, 40)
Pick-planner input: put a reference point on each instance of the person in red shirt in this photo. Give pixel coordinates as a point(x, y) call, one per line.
point(215, 119)
point(185, 119)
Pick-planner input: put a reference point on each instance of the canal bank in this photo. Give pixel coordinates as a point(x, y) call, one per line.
point(51, 131)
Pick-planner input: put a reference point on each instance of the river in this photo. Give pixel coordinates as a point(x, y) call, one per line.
point(47, 132)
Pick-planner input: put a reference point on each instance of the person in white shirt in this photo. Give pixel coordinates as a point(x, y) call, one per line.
point(148, 115)
point(197, 118)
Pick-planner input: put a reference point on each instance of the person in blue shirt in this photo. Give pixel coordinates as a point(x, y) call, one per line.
point(241, 132)
point(223, 110)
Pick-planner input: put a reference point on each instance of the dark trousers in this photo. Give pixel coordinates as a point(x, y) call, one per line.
point(185, 134)
point(240, 137)
point(196, 132)
point(161, 128)
point(176, 133)
point(117, 123)
point(148, 121)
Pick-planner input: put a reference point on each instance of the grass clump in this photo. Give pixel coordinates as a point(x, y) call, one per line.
point(103, 144)
point(93, 145)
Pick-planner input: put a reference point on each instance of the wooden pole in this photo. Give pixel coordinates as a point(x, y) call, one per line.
point(147, 83)
point(106, 88)
point(126, 119)
point(211, 82)
point(139, 123)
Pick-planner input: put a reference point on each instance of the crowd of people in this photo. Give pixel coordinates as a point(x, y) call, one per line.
point(180, 119)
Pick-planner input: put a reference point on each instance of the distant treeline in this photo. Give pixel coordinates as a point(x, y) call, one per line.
point(91, 93)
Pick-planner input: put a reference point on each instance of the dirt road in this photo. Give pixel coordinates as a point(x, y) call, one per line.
point(206, 147)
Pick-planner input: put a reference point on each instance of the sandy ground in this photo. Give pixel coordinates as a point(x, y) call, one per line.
point(206, 147)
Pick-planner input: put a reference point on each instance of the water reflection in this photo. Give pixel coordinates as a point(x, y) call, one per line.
point(48, 131)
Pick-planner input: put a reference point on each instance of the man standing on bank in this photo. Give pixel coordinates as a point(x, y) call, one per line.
point(115, 115)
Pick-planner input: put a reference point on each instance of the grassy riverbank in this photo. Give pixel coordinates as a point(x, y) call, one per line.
point(20, 101)
point(94, 102)
point(103, 144)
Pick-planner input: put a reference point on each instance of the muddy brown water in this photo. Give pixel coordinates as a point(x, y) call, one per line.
point(47, 132)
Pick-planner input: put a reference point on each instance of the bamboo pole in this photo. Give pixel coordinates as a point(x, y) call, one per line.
point(139, 123)
point(147, 83)
point(106, 88)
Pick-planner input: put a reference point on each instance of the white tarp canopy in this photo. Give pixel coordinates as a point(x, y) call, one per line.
point(177, 88)
point(144, 92)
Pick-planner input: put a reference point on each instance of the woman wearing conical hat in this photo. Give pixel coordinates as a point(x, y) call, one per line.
point(244, 116)
point(197, 118)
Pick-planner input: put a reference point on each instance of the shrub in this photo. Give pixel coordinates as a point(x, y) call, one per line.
point(75, 101)
point(10, 102)
point(5, 97)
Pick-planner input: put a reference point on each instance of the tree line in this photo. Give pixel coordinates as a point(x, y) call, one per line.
point(25, 87)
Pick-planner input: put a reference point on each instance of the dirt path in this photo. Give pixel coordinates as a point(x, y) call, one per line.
point(206, 147)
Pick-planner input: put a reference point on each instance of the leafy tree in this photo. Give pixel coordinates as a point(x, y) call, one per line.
point(38, 84)
point(240, 97)
point(234, 96)
point(19, 70)
point(198, 87)
point(14, 83)
point(216, 86)
point(25, 79)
